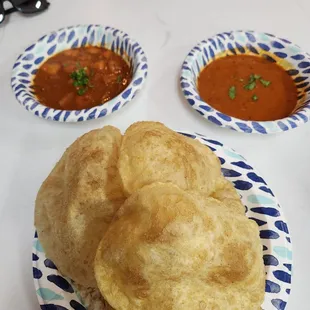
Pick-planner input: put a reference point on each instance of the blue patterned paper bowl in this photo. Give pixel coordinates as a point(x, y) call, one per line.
point(30, 60)
point(56, 292)
point(289, 56)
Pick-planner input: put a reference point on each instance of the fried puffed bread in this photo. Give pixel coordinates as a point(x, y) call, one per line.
point(151, 152)
point(77, 201)
point(168, 249)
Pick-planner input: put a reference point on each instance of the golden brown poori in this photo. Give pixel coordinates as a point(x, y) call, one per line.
point(77, 201)
point(148, 220)
point(151, 152)
point(164, 247)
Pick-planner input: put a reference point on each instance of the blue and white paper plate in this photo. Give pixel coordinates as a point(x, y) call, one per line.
point(283, 52)
point(56, 292)
point(33, 57)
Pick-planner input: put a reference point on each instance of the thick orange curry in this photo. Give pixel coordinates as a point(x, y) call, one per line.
point(81, 78)
point(248, 87)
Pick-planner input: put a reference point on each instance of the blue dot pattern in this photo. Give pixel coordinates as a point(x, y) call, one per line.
point(53, 307)
point(49, 264)
point(76, 305)
point(27, 64)
point(270, 260)
point(249, 42)
point(261, 206)
point(37, 274)
point(61, 282)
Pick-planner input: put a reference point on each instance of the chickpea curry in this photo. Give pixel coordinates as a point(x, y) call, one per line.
point(248, 87)
point(81, 78)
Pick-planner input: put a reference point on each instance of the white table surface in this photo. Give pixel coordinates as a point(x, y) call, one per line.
point(30, 146)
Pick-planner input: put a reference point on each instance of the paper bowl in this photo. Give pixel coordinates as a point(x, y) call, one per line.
point(33, 57)
point(283, 52)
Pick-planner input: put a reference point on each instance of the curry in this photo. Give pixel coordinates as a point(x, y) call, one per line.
point(248, 87)
point(81, 78)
